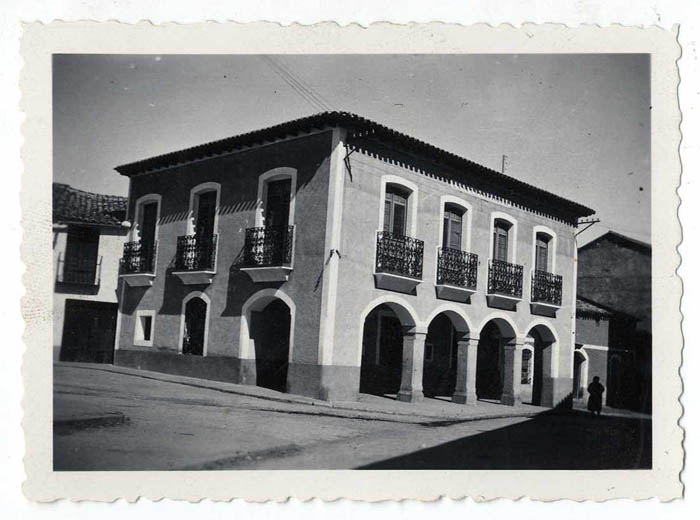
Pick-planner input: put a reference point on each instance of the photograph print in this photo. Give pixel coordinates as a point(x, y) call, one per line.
point(358, 261)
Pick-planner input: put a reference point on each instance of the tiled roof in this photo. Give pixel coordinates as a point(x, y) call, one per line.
point(360, 128)
point(588, 309)
point(620, 239)
point(72, 206)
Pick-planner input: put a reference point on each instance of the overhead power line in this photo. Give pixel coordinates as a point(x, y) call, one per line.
point(296, 84)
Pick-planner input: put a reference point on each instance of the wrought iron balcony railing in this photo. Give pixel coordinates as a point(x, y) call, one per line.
point(138, 258)
point(195, 253)
point(458, 268)
point(398, 254)
point(505, 278)
point(269, 246)
point(79, 271)
point(546, 287)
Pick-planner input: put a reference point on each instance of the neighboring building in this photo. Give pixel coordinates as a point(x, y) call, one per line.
point(87, 242)
point(331, 255)
point(614, 276)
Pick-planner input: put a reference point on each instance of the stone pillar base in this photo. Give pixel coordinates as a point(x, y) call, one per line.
point(462, 398)
point(510, 400)
point(415, 396)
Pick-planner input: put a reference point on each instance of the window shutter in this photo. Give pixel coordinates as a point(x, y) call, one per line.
point(387, 214)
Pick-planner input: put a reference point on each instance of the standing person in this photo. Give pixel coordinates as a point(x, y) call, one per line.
point(595, 399)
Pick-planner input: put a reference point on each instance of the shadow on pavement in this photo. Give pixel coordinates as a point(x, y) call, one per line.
point(552, 440)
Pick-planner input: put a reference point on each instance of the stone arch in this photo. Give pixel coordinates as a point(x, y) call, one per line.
point(546, 361)
point(257, 302)
point(447, 326)
point(271, 347)
point(458, 317)
point(496, 367)
point(505, 324)
point(385, 324)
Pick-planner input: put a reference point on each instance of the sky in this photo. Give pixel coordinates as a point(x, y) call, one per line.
point(575, 125)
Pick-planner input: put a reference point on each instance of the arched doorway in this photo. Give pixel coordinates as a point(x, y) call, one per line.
point(580, 374)
point(267, 337)
point(490, 359)
point(269, 330)
point(382, 350)
point(384, 329)
point(194, 326)
point(447, 327)
point(544, 344)
point(440, 358)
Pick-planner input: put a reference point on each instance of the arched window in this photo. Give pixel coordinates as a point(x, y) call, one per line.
point(452, 227)
point(542, 252)
point(501, 239)
point(395, 210)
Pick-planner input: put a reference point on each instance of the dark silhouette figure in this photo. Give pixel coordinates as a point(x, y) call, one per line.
point(595, 399)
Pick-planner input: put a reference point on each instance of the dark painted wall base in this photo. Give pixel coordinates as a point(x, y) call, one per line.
point(556, 391)
point(326, 382)
point(216, 368)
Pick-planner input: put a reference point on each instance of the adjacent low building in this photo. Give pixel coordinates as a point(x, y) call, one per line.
point(331, 255)
point(88, 237)
point(614, 288)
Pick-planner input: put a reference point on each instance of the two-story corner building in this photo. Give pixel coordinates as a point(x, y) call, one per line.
point(615, 273)
point(87, 243)
point(331, 255)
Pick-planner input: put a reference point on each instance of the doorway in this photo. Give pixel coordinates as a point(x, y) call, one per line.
point(88, 331)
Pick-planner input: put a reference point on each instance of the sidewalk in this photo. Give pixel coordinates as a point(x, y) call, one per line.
point(431, 411)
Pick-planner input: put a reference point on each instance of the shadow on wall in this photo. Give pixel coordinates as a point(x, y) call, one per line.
point(573, 440)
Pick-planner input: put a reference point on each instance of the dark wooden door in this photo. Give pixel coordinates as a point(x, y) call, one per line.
point(195, 321)
point(88, 331)
point(206, 212)
point(277, 204)
point(147, 232)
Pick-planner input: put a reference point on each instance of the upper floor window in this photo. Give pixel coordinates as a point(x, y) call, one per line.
point(544, 249)
point(501, 238)
point(205, 214)
point(542, 252)
point(452, 227)
point(395, 210)
point(81, 258)
point(279, 195)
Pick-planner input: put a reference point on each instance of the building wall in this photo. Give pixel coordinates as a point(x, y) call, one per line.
point(592, 332)
point(618, 277)
point(362, 219)
point(110, 249)
point(238, 175)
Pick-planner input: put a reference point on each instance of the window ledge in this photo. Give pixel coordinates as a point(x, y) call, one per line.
point(138, 279)
point(195, 277)
point(453, 292)
point(268, 274)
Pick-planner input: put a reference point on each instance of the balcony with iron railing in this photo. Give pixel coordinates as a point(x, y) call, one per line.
point(546, 291)
point(399, 262)
point(138, 263)
point(505, 285)
point(79, 271)
point(195, 259)
point(268, 253)
point(456, 274)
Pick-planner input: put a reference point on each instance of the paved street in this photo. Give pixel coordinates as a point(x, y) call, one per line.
point(156, 423)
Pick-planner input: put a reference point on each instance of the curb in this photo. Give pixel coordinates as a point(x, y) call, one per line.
point(425, 420)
